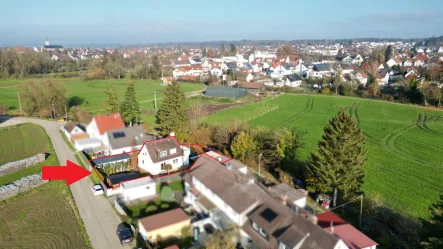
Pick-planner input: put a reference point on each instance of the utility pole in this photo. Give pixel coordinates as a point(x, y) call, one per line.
point(53, 111)
point(361, 211)
point(155, 101)
point(20, 105)
point(66, 113)
point(259, 175)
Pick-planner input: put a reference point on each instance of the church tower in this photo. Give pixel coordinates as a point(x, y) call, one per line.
point(47, 42)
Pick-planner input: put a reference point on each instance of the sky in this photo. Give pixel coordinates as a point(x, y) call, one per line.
point(27, 23)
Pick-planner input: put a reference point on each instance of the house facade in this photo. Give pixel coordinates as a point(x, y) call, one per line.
point(163, 156)
point(102, 123)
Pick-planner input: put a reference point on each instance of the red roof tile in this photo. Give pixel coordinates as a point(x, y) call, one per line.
point(352, 237)
point(108, 122)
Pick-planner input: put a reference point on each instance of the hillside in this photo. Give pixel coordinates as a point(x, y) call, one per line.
point(404, 142)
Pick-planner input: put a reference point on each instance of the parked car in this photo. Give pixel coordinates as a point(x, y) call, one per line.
point(124, 233)
point(97, 189)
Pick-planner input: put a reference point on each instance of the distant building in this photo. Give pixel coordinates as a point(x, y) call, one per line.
point(49, 47)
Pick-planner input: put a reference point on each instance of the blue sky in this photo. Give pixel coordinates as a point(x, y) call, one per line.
point(26, 22)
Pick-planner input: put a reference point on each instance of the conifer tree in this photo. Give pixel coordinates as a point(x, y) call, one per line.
point(111, 103)
point(172, 116)
point(434, 227)
point(337, 165)
point(130, 108)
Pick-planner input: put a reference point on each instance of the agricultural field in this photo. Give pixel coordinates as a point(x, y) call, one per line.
point(42, 218)
point(405, 143)
point(24, 221)
point(89, 94)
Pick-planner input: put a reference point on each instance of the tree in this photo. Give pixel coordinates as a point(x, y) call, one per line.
point(337, 165)
point(388, 53)
point(242, 144)
point(79, 114)
point(284, 177)
point(204, 53)
point(112, 104)
point(155, 71)
point(130, 108)
point(222, 50)
point(172, 116)
point(166, 194)
point(286, 50)
point(338, 80)
point(233, 49)
point(434, 227)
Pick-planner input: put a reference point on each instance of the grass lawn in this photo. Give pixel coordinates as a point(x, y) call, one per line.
point(175, 186)
point(149, 208)
point(44, 217)
point(89, 94)
point(405, 143)
point(22, 141)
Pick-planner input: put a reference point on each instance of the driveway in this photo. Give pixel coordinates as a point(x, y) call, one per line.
point(97, 213)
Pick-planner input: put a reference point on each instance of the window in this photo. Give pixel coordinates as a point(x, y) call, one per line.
point(163, 166)
point(163, 153)
point(147, 188)
point(175, 161)
point(143, 161)
point(255, 226)
point(173, 151)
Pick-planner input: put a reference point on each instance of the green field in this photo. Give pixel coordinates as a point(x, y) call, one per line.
point(90, 93)
point(45, 217)
point(405, 143)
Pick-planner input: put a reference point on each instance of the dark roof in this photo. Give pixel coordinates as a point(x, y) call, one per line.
point(225, 92)
point(69, 127)
point(270, 216)
point(231, 65)
point(52, 46)
point(321, 67)
point(126, 137)
point(293, 77)
point(161, 220)
point(197, 60)
point(156, 146)
point(122, 177)
point(110, 159)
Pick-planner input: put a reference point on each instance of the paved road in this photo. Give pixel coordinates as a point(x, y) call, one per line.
point(96, 212)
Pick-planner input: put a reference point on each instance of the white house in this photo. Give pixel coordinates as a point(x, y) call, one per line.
point(293, 80)
point(138, 189)
point(407, 63)
point(71, 130)
point(55, 58)
point(102, 123)
point(362, 78)
point(320, 70)
point(393, 61)
point(383, 79)
point(440, 50)
point(155, 155)
point(348, 60)
point(216, 71)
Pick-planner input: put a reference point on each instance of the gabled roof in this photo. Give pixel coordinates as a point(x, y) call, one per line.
point(165, 219)
point(70, 126)
point(293, 77)
point(420, 57)
point(353, 238)
point(108, 122)
point(321, 67)
point(154, 148)
point(127, 137)
point(250, 85)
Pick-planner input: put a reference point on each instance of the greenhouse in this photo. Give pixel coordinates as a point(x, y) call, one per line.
point(225, 92)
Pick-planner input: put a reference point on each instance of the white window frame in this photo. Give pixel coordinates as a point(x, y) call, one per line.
point(163, 153)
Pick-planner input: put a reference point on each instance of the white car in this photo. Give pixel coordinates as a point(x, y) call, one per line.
point(97, 189)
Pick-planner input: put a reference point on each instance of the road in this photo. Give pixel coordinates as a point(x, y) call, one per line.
point(97, 213)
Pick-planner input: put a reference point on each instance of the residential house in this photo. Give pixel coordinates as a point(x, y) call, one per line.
point(229, 66)
point(164, 225)
point(383, 78)
point(249, 77)
point(227, 193)
point(216, 71)
point(348, 68)
point(288, 195)
point(137, 189)
point(252, 87)
point(157, 155)
point(351, 236)
point(407, 63)
point(280, 70)
point(125, 139)
point(420, 60)
point(440, 50)
point(293, 80)
point(347, 60)
point(362, 77)
point(102, 123)
point(194, 70)
point(180, 63)
point(393, 61)
point(283, 59)
point(74, 132)
point(195, 61)
point(320, 70)
point(357, 59)
point(55, 58)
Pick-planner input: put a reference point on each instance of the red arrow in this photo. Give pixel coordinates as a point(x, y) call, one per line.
point(71, 172)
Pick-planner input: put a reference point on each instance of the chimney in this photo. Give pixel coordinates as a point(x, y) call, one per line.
point(332, 227)
point(172, 134)
point(269, 189)
point(284, 199)
point(228, 166)
point(314, 220)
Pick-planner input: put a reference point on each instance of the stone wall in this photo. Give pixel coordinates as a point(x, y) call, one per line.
point(12, 167)
point(20, 186)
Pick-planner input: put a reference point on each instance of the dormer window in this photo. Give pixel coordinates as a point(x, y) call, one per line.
point(172, 151)
point(163, 153)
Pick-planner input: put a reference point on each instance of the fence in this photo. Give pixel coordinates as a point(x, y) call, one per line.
point(119, 208)
point(20, 186)
point(12, 167)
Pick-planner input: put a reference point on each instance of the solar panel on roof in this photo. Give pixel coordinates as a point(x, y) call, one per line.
point(268, 214)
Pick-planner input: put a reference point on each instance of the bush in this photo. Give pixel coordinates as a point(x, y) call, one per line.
point(166, 194)
point(326, 90)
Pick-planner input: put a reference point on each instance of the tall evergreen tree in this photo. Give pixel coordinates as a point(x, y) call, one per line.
point(433, 229)
point(388, 53)
point(172, 115)
point(204, 52)
point(233, 49)
point(130, 108)
point(337, 165)
point(112, 104)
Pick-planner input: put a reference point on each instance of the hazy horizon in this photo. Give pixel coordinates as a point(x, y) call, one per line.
point(150, 22)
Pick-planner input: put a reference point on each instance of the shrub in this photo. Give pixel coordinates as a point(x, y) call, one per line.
point(326, 90)
point(166, 194)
